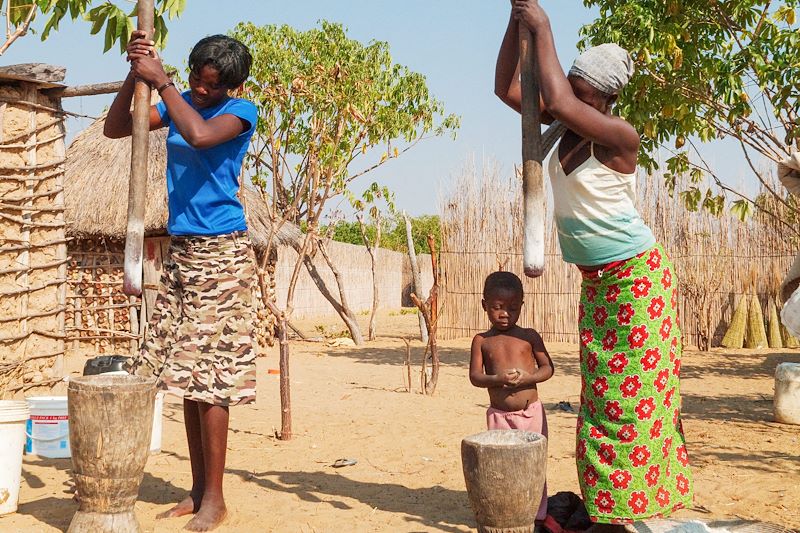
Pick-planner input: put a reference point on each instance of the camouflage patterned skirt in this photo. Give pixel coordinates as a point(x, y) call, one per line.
point(199, 340)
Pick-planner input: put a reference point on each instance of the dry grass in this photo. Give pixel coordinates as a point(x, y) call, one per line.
point(718, 260)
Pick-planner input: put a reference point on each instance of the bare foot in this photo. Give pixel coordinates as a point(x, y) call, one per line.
point(191, 504)
point(211, 514)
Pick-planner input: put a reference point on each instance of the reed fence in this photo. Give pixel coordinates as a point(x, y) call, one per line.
point(717, 259)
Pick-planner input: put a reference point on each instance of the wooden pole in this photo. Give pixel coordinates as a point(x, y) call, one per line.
point(534, 207)
point(134, 240)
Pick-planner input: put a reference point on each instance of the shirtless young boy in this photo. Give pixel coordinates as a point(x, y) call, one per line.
point(509, 361)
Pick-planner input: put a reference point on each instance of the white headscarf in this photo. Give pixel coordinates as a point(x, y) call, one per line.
point(607, 67)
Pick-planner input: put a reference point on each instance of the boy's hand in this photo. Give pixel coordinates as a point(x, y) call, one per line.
point(510, 378)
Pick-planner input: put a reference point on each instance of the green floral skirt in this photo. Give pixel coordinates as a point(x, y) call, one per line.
point(630, 450)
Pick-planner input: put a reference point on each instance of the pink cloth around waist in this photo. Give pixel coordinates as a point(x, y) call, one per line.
point(532, 419)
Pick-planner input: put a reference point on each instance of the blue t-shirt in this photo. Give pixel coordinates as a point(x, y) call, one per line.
point(202, 183)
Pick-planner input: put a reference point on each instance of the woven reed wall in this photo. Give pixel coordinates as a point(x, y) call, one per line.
point(716, 259)
point(33, 253)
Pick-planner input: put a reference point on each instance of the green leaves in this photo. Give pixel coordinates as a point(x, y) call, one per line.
point(331, 109)
point(106, 16)
point(706, 70)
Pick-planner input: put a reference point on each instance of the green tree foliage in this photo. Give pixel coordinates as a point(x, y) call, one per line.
point(708, 70)
point(394, 233)
point(326, 104)
point(115, 22)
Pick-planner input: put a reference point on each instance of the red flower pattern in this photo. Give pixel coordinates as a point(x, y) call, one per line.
point(666, 327)
point(600, 315)
point(683, 455)
point(653, 473)
point(590, 476)
point(655, 429)
point(625, 272)
point(592, 362)
point(591, 294)
point(682, 484)
point(581, 312)
point(625, 314)
point(641, 287)
point(617, 364)
point(630, 386)
point(676, 368)
point(638, 502)
point(612, 293)
point(607, 454)
point(656, 307)
point(673, 349)
point(654, 261)
point(666, 279)
point(620, 479)
point(605, 502)
point(639, 456)
point(613, 410)
point(645, 408)
point(665, 449)
point(600, 386)
point(662, 497)
point(668, 398)
point(610, 340)
point(662, 380)
point(586, 336)
point(580, 450)
point(638, 336)
point(598, 432)
point(627, 433)
point(650, 359)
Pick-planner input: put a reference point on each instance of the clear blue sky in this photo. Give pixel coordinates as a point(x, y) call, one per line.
point(452, 42)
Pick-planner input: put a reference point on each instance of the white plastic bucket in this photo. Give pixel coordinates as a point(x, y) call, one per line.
point(48, 427)
point(786, 402)
point(13, 415)
point(158, 411)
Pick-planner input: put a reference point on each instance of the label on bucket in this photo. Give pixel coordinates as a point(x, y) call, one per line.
point(48, 436)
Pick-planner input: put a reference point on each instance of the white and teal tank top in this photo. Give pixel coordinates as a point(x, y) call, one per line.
point(595, 213)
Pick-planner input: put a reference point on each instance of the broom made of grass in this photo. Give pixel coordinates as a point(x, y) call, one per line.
point(756, 335)
point(774, 326)
point(734, 337)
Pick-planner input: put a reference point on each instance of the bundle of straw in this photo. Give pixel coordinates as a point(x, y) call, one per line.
point(756, 336)
point(734, 337)
point(774, 326)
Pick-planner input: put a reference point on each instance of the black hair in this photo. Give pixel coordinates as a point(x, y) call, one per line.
point(502, 281)
point(229, 57)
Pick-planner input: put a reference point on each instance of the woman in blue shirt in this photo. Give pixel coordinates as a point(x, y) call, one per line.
point(199, 339)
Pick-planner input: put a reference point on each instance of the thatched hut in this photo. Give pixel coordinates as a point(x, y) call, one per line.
point(100, 317)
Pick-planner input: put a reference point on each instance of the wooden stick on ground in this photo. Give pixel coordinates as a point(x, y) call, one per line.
point(134, 240)
point(532, 154)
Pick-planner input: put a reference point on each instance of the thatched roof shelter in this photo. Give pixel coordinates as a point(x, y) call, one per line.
point(96, 190)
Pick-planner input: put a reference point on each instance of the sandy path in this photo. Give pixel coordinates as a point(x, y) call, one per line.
point(350, 403)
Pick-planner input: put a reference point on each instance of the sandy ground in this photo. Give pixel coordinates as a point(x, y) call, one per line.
point(351, 403)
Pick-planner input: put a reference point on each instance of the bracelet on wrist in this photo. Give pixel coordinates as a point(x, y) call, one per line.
point(164, 87)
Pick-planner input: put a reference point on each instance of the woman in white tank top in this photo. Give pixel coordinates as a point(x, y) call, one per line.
point(630, 449)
